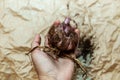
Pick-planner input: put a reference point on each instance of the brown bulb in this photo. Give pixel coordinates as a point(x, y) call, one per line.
point(63, 36)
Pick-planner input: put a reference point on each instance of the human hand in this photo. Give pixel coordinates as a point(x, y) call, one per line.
point(48, 68)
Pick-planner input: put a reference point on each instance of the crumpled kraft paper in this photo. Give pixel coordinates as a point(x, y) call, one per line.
point(20, 20)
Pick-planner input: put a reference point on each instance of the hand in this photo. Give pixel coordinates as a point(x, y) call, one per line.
point(49, 69)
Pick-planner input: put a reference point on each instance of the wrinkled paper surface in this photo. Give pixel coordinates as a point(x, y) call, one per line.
point(20, 20)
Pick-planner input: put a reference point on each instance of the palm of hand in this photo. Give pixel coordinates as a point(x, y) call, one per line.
point(61, 69)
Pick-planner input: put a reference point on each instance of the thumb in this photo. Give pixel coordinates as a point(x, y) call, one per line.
point(36, 42)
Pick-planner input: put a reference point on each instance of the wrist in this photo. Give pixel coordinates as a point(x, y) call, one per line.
point(46, 78)
point(52, 78)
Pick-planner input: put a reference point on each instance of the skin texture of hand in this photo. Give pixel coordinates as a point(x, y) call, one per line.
point(49, 69)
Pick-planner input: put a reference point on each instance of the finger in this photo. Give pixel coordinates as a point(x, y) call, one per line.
point(36, 42)
point(56, 23)
point(74, 27)
point(70, 46)
point(46, 41)
point(78, 32)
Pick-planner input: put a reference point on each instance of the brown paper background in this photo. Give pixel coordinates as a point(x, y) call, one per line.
point(20, 20)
